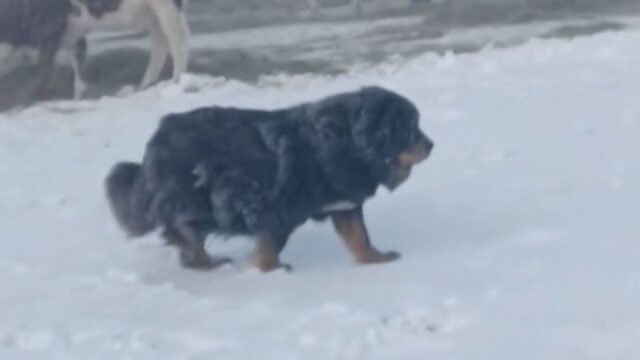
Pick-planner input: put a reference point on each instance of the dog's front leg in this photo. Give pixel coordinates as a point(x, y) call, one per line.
point(191, 243)
point(266, 255)
point(350, 225)
point(173, 25)
point(77, 57)
point(75, 46)
point(157, 57)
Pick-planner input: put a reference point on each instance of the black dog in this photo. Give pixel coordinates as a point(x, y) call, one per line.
point(264, 173)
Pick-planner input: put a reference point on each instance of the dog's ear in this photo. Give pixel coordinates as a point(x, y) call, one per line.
point(330, 133)
point(384, 124)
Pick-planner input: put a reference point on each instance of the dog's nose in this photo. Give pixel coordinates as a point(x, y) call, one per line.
point(425, 144)
point(428, 145)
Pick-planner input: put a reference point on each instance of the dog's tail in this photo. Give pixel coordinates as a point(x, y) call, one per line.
point(129, 198)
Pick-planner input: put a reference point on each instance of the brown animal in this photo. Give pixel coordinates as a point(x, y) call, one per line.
point(40, 25)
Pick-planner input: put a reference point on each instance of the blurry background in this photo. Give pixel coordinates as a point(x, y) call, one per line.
point(250, 39)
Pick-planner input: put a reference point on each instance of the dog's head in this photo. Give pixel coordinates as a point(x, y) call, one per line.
point(385, 131)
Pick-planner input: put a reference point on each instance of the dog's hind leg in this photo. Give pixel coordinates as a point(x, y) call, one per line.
point(172, 238)
point(77, 56)
point(191, 242)
point(173, 23)
point(158, 55)
point(350, 225)
point(266, 255)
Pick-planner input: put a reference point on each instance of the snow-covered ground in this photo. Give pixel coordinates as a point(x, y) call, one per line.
point(520, 236)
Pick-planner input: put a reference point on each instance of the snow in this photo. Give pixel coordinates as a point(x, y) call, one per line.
point(519, 235)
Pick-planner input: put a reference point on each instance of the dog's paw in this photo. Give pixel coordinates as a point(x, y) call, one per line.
point(280, 266)
point(378, 257)
point(202, 262)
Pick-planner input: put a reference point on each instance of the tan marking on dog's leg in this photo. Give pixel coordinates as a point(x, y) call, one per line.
point(350, 225)
point(266, 254)
point(193, 254)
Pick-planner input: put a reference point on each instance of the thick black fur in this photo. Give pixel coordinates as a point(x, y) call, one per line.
point(234, 171)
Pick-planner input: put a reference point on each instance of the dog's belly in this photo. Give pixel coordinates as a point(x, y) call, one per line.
point(131, 15)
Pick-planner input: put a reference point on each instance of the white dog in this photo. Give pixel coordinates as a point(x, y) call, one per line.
point(164, 20)
point(49, 26)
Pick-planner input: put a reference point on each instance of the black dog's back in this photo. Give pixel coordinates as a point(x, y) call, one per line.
point(207, 164)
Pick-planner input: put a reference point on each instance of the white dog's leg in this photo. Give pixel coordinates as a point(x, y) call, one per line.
point(174, 26)
point(74, 44)
point(157, 57)
point(75, 49)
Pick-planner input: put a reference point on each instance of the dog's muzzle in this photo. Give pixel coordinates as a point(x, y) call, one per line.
point(403, 163)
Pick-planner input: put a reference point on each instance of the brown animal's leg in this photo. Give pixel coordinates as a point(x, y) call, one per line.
point(192, 252)
point(266, 255)
point(350, 225)
point(46, 58)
